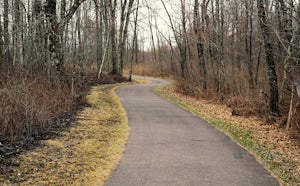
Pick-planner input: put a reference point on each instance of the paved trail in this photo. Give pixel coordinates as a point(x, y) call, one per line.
point(170, 146)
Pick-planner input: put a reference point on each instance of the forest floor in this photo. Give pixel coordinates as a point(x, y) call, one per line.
point(272, 146)
point(82, 153)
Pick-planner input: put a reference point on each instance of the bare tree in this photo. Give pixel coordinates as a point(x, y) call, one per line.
point(1, 45)
point(249, 40)
point(123, 31)
point(180, 39)
point(6, 33)
point(113, 9)
point(56, 30)
point(99, 32)
point(272, 75)
point(200, 44)
point(134, 41)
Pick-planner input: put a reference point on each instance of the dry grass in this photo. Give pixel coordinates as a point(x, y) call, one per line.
point(146, 70)
point(83, 156)
point(272, 145)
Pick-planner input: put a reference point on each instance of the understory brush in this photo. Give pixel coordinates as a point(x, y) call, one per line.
point(32, 105)
point(242, 104)
point(29, 103)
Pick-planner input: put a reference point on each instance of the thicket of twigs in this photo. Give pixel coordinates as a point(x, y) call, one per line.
point(30, 104)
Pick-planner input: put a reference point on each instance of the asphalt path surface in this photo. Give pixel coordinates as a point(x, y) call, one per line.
point(170, 146)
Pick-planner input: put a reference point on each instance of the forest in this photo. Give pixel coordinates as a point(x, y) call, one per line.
point(242, 53)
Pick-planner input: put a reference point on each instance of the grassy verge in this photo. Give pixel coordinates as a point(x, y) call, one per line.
point(86, 154)
point(256, 138)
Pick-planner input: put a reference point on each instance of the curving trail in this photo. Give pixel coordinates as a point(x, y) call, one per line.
point(170, 146)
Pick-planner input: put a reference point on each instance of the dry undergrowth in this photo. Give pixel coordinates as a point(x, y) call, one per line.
point(272, 145)
point(85, 155)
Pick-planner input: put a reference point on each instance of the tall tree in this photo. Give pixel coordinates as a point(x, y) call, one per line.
point(184, 36)
point(1, 44)
point(249, 40)
point(123, 35)
point(150, 22)
point(134, 41)
point(200, 44)
point(54, 48)
point(18, 30)
point(272, 76)
point(56, 30)
point(113, 9)
point(180, 39)
point(99, 33)
point(38, 47)
point(6, 33)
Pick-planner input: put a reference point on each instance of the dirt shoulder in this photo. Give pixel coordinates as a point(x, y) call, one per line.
point(271, 145)
point(84, 155)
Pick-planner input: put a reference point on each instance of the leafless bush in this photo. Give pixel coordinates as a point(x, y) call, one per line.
point(29, 103)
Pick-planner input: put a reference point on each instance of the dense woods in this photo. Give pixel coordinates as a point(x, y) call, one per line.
point(242, 53)
point(49, 51)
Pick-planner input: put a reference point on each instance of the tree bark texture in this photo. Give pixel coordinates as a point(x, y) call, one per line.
point(272, 76)
point(200, 45)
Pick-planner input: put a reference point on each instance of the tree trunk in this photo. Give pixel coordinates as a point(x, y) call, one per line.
point(6, 34)
point(54, 45)
point(286, 29)
point(1, 45)
point(272, 76)
point(183, 51)
point(181, 45)
point(78, 27)
point(200, 45)
point(124, 35)
point(249, 42)
point(134, 42)
point(99, 34)
point(173, 67)
point(55, 32)
point(39, 36)
point(219, 26)
point(113, 37)
point(150, 14)
point(62, 38)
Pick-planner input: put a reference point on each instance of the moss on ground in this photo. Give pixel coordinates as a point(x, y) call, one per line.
point(85, 155)
point(282, 164)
